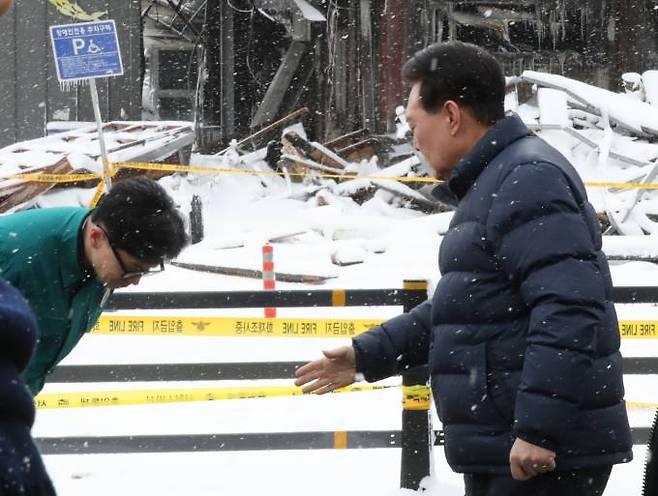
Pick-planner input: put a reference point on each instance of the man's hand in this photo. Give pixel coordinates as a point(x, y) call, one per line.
point(336, 370)
point(527, 460)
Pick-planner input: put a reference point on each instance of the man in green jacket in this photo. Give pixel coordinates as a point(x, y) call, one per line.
point(66, 261)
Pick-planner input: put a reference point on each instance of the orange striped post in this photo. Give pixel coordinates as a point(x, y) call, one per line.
point(269, 281)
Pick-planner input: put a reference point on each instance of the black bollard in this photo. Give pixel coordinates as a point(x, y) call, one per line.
point(416, 425)
point(196, 220)
point(651, 466)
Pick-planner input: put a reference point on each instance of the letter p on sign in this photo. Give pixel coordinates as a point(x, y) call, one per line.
point(78, 44)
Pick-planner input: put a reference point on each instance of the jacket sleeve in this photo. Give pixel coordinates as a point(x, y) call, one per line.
point(544, 245)
point(399, 343)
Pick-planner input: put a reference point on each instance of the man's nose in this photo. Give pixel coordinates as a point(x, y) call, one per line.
point(134, 280)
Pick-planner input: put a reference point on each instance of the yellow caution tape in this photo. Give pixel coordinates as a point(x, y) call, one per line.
point(280, 327)
point(231, 326)
point(157, 396)
point(67, 8)
point(212, 170)
point(52, 178)
point(638, 405)
point(416, 397)
point(638, 329)
point(68, 178)
point(98, 194)
point(622, 185)
point(215, 170)
point(183, 168)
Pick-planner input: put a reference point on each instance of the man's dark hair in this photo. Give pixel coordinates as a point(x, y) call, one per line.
point(141, 218)
point(464, 73)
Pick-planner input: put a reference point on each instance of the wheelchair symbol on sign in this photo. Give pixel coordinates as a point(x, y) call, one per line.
point(79, 45)
point(94, 48)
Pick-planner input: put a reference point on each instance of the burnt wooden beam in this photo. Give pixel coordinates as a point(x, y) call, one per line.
point(347, 139)
point(252, 273)
point(263, 135)
point(271, 104)
point(366, 65)
point(217, 104)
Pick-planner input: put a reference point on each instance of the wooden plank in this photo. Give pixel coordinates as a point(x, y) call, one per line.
point(366, 65)
point(269, 107)
point(171, 147)
point(409, 195)
point(256, 274)
point(262, 136)
point(315, 151)
point(16, 193)
point(347, 139)
point(391, 57)
point(363, 150)
point(218, 101)
point(507, 3)
point(418, 20)
point(337, 79)
point(354, 105)
point(300, 164)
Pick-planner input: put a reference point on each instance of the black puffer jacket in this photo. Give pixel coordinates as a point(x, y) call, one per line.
point(521, 334)
point(21, 469)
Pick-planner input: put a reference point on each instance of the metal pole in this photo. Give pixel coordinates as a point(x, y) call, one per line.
point(415, 463)
point(651, 466)
point(101, 138)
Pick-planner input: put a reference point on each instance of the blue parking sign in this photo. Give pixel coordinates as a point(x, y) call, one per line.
point(86, 50)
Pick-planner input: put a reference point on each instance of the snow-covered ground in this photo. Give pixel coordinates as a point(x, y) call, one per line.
point(394, 244)
point(312, 225)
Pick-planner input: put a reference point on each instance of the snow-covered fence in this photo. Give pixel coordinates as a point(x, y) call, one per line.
point(415, 439)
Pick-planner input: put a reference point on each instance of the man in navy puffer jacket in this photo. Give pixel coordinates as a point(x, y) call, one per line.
point(21, 469)
point(521, 335)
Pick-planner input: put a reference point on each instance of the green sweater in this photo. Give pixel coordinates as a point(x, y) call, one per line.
point(40, 255)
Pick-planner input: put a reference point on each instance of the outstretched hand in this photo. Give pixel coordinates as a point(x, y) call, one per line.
point(335, 370)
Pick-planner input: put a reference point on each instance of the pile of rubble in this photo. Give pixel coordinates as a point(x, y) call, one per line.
point(611, 138)
point(77, 151)
point(357, 165)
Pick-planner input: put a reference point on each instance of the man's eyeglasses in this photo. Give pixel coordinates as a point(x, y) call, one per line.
point(129, 274)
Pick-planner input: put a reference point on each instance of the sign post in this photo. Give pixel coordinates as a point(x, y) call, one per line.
point(83, 52)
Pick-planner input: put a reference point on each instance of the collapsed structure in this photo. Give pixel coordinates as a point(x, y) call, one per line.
point(235, 66)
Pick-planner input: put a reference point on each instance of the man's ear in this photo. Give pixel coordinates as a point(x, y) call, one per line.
point(95, 236)
point(454, 115)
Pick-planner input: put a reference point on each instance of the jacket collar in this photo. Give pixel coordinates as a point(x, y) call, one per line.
point(504, 132)
point(73, 269)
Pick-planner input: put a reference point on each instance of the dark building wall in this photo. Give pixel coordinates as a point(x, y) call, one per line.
point(590, 40)
point(30, 95)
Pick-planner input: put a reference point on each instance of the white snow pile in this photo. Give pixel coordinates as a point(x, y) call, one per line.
point(609, 137)
point(322, 227)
